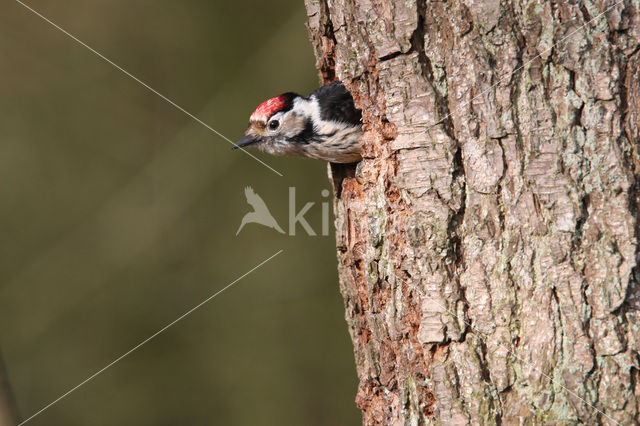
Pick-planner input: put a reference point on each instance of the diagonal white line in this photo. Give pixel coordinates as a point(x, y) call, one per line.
point(484, 92)
point(480, 334)
point(142, 83)
point(103, 369)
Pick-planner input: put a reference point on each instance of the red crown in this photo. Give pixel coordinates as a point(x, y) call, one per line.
point(268, 108)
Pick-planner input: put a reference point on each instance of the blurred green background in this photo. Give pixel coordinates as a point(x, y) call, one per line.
point(119, 213)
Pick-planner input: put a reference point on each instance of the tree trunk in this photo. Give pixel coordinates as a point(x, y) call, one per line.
point(488, 259)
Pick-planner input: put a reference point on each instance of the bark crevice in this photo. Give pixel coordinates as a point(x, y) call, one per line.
point(488, 260)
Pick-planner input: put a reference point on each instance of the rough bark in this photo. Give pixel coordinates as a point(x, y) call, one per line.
point(488, 261)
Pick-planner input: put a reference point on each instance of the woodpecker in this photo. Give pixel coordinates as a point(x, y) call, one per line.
point(325, 126)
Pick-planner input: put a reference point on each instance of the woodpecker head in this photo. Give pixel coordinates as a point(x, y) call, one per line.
point(324, 126)
point(277, 127)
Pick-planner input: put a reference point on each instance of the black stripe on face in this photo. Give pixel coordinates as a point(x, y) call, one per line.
point(307, 135)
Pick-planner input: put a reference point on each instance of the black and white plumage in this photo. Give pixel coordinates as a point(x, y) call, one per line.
point(325, 126)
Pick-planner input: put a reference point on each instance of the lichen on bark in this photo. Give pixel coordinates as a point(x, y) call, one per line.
point(488, 262)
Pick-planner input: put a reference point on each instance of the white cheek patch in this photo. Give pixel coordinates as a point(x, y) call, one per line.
point(292, 124)
point(311, 108)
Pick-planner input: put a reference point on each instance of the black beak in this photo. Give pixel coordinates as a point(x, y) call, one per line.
point(245, 141)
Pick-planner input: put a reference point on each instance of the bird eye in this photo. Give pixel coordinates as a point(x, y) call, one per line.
point(273, 124)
